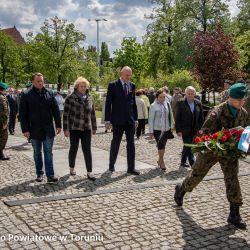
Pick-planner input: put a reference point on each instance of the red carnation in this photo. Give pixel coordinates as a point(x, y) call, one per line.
point(197, 140)
point(224, 138)
point(214, 136)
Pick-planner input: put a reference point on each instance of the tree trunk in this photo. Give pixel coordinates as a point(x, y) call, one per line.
point(59, 84)
point(203, 96)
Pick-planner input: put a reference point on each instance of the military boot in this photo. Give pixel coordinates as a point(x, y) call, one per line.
point(234, 217)
point(179, 194)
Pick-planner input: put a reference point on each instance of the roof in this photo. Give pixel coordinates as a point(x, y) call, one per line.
point(14, 34)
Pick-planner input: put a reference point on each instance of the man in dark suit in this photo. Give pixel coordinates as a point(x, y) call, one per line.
point(188, 121)
point(12, 101)
point(121, 114)
point(38, 109)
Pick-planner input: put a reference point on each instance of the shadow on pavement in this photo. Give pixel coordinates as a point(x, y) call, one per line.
point(20, 147)
point(214, 238)
point(104, 180)
point(43, 189)
point(39, 189)
point(151, 174)
point(176, 174)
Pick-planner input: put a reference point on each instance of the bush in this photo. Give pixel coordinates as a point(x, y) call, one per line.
point(180, 78)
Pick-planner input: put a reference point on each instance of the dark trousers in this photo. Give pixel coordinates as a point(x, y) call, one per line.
point(116, 141)
point(12, 122)
point(140, 128)
point(187, 152)
point(85, 136)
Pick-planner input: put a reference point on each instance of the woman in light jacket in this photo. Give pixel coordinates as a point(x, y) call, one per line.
point(79, 122)
point(160, 121)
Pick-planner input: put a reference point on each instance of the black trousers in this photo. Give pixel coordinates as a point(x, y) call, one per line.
point(85, 136)
point(12, 122)
point(140, 128)
point(116, 141)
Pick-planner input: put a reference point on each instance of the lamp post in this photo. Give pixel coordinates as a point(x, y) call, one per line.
point(97, 49)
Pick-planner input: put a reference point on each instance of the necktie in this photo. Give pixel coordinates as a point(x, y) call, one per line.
point(125, 89)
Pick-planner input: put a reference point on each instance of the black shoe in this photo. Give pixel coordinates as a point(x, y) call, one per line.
point(39, 178)
point(184, 165)
point(52, 179)
point(111, 169)
point(92, 178)
point(179, 194)
point(4, 158)
point(133, 172)
point(235, 218)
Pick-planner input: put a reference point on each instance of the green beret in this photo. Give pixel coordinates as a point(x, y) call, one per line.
point(238, 91)
point(3, 85)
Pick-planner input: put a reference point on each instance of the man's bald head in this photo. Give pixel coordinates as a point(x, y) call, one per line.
point(126, 73)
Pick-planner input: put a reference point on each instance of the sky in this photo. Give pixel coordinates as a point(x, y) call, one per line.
point(125, 18)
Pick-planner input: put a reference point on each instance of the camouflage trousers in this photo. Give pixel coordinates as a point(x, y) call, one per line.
point(3, 139)
point(230, 169)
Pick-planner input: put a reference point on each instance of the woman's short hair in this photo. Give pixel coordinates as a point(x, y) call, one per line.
point(159, 91)
point(80, 80)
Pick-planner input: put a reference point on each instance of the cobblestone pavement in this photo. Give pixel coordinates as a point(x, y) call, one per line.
point(143, 218)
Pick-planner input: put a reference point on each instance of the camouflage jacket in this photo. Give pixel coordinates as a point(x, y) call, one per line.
point(4, 110)
point(220, 117)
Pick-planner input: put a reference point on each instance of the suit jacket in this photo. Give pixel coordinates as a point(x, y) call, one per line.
point(119, 108)
point(37, 111)
point(12, 104)
point(186, 122)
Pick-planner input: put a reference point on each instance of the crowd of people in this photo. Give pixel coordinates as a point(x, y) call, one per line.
point(43, 114)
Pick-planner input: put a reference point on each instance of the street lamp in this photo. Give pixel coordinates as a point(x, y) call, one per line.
point(97, 49)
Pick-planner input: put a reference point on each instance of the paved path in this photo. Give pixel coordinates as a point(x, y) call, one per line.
point(118, 211)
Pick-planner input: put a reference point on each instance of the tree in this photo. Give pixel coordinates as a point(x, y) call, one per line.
point(243, 44)
point(10, 63)
point(104, 52)
point(161, 37)
point(204, 14)
point(214, 59)
point(59, 50)
point(242, 19)
point(131, 54)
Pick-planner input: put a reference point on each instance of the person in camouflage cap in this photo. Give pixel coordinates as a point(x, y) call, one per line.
point(4, 113)
point(226, 115)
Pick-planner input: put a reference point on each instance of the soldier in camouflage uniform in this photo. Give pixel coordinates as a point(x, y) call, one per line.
point(4, 113)
point(227, 115)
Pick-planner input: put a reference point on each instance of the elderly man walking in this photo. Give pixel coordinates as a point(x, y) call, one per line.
point(121, 114)
point(188, 121)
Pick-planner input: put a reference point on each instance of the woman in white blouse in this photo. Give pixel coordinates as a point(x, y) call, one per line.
point(161, 121)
